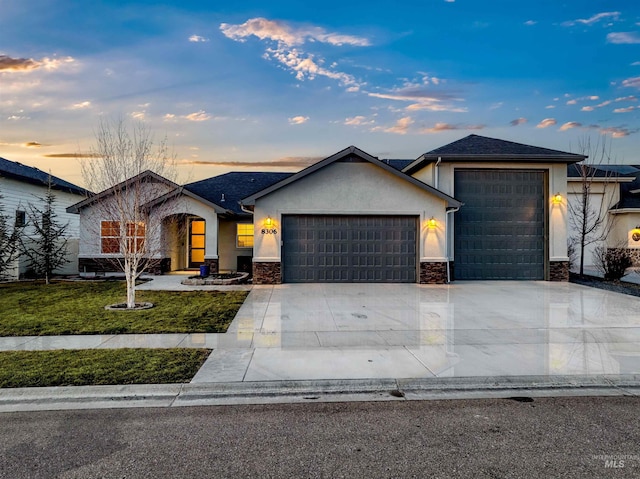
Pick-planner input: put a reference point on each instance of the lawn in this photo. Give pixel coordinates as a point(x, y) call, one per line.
point(77, 307)
point(99, 366)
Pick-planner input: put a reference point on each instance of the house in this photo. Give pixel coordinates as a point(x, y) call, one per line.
point(614, 195)
point(22, 185)
point(478, 208)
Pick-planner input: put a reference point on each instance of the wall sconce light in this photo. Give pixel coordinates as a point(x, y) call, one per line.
point(432, 223)
point(557, 198)
point(268, 221)
point(635, 233)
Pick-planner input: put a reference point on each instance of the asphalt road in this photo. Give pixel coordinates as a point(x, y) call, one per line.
point(550, 437)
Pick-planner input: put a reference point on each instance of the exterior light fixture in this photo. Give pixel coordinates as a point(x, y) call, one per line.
point(635, 233)
point(268, 221)
point(557, 198)
point(432, 223)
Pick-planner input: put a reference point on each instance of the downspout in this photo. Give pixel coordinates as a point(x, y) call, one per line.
point(448, 241)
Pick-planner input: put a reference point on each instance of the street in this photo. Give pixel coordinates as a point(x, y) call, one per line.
point(518, 437)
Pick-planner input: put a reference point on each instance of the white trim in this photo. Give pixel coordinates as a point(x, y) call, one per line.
point(434, 260)
point(624, 210)
point(559, 258)
point(266, 260)
point(213, 256)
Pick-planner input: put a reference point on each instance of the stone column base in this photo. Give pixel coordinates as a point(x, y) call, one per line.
point(267, 273)
point(558, 271)
point(213, 265)
point(433, 273)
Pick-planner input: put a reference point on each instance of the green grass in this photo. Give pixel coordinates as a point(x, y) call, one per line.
point(99, 366)
point(36, 309)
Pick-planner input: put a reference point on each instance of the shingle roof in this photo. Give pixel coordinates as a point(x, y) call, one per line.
point(603, 171)
point(477, 145)
point(234, 186)
point(28, 174)
point(397, 164)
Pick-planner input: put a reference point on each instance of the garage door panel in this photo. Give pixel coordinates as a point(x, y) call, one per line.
point(499, 233)
point(349, 248)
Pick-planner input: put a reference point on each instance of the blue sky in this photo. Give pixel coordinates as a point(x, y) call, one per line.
point(277, 85)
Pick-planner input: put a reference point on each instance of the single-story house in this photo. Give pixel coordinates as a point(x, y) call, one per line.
point(21, 186)
point(477, 208)
point(614, 195)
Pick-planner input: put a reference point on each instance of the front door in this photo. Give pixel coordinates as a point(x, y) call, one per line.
point(196, 242)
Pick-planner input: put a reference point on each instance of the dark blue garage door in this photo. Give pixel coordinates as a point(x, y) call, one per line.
point(349, 249)
point(500, 230)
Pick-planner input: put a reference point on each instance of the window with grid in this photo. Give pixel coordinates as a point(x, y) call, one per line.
point(244, 235)
point(110, 237)
point(136, 233)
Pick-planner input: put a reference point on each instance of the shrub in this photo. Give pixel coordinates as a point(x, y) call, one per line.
point(612, 262)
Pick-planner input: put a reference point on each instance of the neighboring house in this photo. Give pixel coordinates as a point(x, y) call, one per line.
point(614, 192)
point(22, 185)
point(478, 208)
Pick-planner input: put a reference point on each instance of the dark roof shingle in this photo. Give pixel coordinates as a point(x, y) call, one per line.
point(18, 171)
point(228, 189)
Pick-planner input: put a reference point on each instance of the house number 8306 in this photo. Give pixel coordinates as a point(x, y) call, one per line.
point(269, 231)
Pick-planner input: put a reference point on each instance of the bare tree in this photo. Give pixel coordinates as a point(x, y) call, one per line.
point(46, 249)
point(133, 173)
point(8, 242)
point(589, 218)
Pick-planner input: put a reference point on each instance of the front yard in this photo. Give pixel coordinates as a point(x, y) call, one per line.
point(36, 309)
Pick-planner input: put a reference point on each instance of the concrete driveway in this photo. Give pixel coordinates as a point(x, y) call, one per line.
point(358, 331)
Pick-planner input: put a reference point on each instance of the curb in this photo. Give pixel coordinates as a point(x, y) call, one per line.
point(269, 392)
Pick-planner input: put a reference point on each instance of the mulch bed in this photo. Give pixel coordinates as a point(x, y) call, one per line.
point(616, 286)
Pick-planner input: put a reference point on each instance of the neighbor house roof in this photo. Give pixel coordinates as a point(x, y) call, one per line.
point(618, 173)
point(397, 164)
point(34, 176)
point(629, 193)
point(227, 190)
point(482, 148)
point(350, 154)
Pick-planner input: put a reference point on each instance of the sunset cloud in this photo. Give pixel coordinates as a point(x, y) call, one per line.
point(438, 127)
point(13, 65)
point(632, 82)
point(286, 162)
point(570, 124)
point(298, 120)
point(422, 98)
point(624, 110)
point(197, 39)
point(197, 116)
point(617, 132)
point(518, 121)
point(401, 127)
point(547, 122)
point(358, 120)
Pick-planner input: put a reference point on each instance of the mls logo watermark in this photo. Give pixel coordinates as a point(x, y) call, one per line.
point(616, 461)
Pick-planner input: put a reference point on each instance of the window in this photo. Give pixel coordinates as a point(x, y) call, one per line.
point(21, 218)
point(244, 235)
point(110, 235)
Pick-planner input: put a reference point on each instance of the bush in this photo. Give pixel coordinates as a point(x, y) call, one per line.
point(612, 262)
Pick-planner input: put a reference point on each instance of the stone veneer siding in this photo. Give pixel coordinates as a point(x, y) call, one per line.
point(267, 273)
point(213, 265)
point(558, 271)
point(433, 273)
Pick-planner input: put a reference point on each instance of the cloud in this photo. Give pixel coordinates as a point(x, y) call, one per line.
point(198, 39)
point(438, 127)
point(80, 106)
point(424, 98)
point(572, 102)
point(138, 115)
point(401, 127)
point(546, 123)
point(298, 120)
point(570, 124)
point(12, 65)
point(623, 37)
point(286, 162)
point(635, 64)
point(73, 155)
point(624, 110)
point(617, 132)
point(288, 39)
point(518, 121)
point(197, 116)
point(586, 108)
point(530, 22)
point(549, 107)
point(287, 34)
point(591, 20)
point(626, 98)
point(358, 120)
point(632, 82)
point(33, 144)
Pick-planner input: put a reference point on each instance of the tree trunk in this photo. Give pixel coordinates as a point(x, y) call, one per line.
point(131, 285)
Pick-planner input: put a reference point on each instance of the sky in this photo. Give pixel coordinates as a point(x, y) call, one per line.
point(276, 86)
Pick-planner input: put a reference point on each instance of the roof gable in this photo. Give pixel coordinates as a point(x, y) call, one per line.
point(28, 174)
point(482, 148)
point(350, 154)
point(147, 175)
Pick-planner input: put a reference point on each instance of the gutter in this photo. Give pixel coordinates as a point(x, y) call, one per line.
point(447, 252)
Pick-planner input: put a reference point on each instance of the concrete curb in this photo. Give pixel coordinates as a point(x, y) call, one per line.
point(180, 395)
